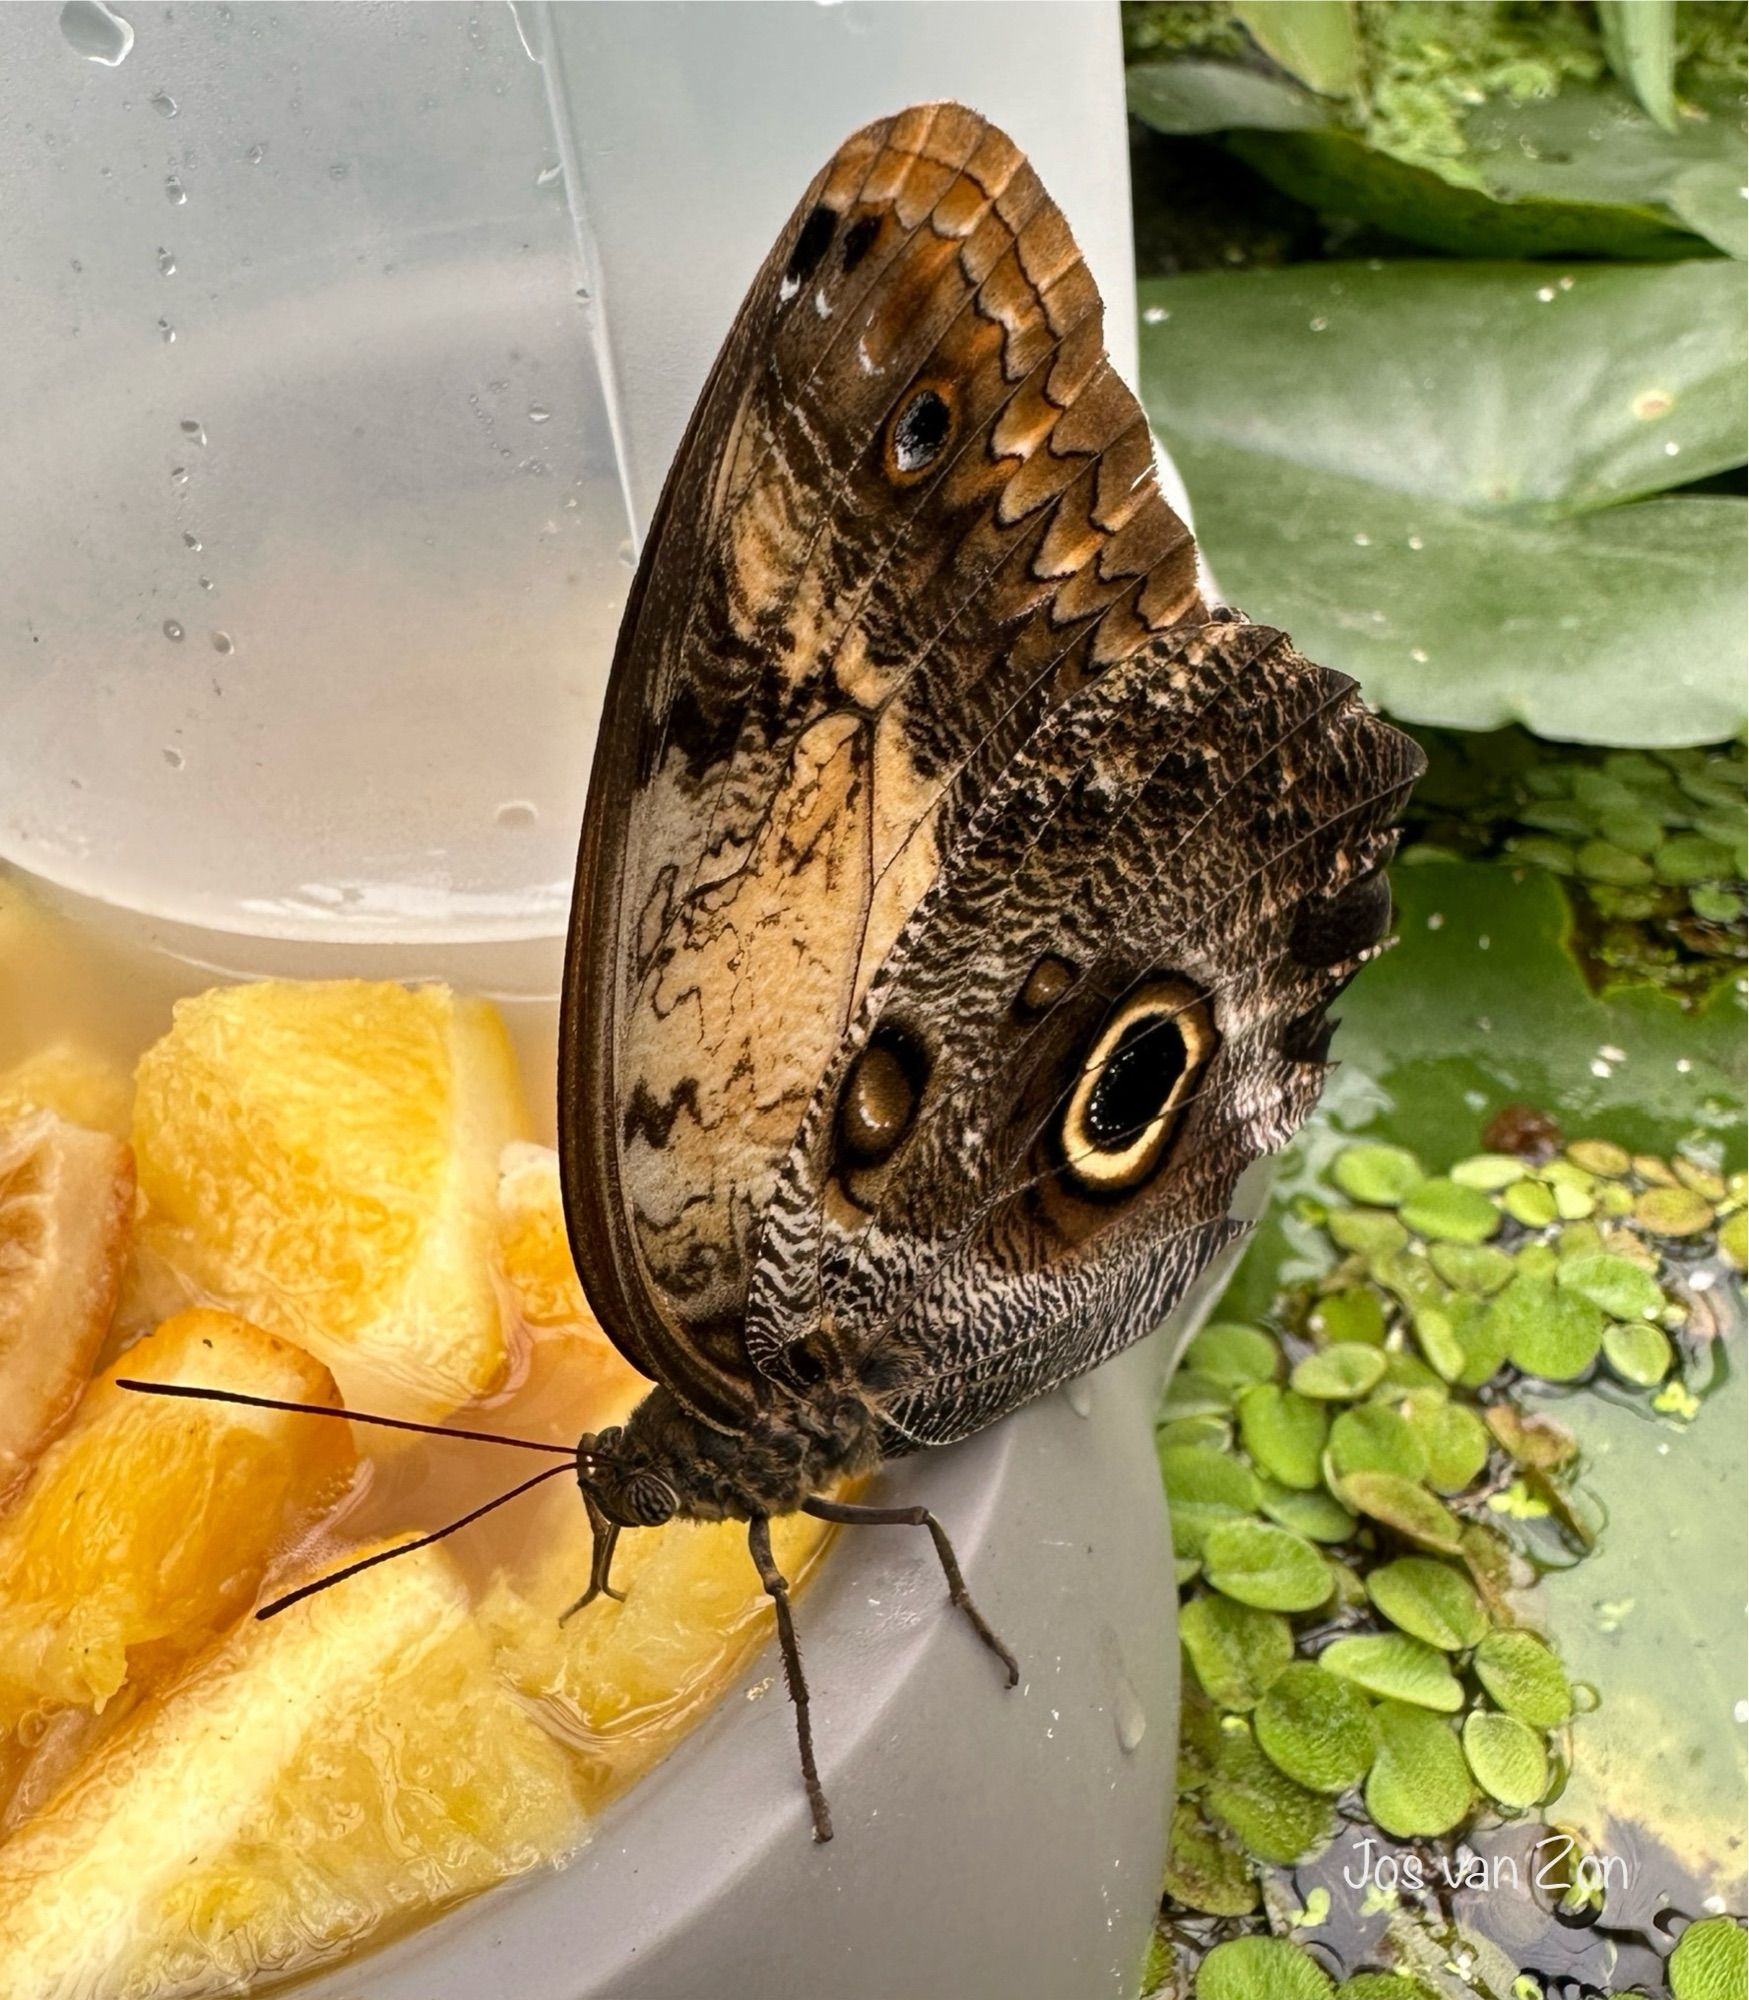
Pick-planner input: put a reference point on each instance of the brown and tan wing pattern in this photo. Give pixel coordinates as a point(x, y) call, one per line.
point(1112, 1001)
point(915, 511)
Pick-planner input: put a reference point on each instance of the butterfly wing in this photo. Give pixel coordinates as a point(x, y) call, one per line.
point(915, 511)
point(1112, 1000)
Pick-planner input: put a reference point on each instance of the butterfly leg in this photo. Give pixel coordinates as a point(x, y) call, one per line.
point(920, 1517)
point(777, 1589)
point(600, 1562)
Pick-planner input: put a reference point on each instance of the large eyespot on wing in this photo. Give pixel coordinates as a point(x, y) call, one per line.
point(1142, 1066)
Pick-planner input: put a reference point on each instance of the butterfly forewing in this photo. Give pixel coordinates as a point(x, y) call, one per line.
point(914, 512)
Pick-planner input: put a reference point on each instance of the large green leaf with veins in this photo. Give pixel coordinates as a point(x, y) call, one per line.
point(1525, 563)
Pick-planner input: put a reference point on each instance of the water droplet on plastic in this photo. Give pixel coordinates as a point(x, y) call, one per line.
point(549, 176)
point(1128, 1715)
point(255, 155)
point(191, 541)
point(1079, 1395)
point(166, 333)
point(171, 629)
point(626, 555)
point(166, 264)
point(97, 34)
point(223, 643)
point(163, 103)
point(538, 413)
point(338, 171)
point(179, 475)
point(194, 430)
point(173, 758)
point(205, 582)
point(518, 813)
point(174, 192)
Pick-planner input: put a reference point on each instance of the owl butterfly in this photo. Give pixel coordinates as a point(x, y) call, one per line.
point(960, 898)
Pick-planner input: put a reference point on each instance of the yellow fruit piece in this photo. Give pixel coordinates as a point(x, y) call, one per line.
point(535, 1255)
point(631, 1678)
point(66, 1207)
point(323, 1158)
point(149, 1523)
point(75, 1084)
point(350, 1763)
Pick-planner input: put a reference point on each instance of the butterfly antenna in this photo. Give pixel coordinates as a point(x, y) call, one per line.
point(327, 1582)
point(332, 1410)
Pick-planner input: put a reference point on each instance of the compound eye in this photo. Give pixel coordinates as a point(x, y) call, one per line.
point(1136, 1077)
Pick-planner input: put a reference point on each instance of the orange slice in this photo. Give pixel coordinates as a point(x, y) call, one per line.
point(351, 1763)
point(323, 1158)
point(66, 1203)
point(146, 1528)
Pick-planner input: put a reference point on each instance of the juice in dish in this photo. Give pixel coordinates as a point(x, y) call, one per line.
point(313, 1191)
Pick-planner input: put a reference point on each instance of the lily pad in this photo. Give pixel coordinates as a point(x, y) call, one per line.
point(1381, 1176)
point(1205, 1872)
point(1367, 1230)
point(1548, 1332)
point(1317, 1515)
point(1277, 1819)
point(1353, 1315)
point(1376, 1438)
point(1201, 1477)
point(1396, 1667)
point(1403, 1505)
point(1236, 1651)
point(1336, 498)
point(1340, 1373)
point(1317, 1728)
point(1621, 1288)
point(1284, 1433)
point(1419, 1782)
point(1508, 1758)
point(1430, 1601)
point(1711, 1961)
point(1453, 1436)
point(1640, 1355)
point(1525, 1678)
point(1265, 1566)
point(1471, 1267)
point(1444, 1211)
point(1261, 1968)
point(1233, 1354)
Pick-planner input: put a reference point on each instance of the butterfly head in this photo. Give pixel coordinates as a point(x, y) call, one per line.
point(625, 1492)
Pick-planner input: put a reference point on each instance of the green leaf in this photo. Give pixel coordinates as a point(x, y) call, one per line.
point(1265, 1566)
point(1260, 1968)
point(1401, 1504)
point(1366, 1231)
point(1205, 1872)
point(1446, 1212)
point(1639, 1354)
point(1340, 1373)
point(1430, 1601)
point(1620, 1287)
point(1337, 498)
point(1376, 1438)
point(1190, 1395)
point(1454, 1438)
point(1317, 1728)
point(1508, 1759)
point(1284, 1433)
point(1233, 1354)
point(1639, 38)
point(1419, 1783)
point(1471, 1267)
point(1199, 1476)
point(1235, 1651)
point(1548, 1332)
point(1317, 1516)
point(1525, 1678)
point(1277, 1819)
point(1381, 1176)
point(1353, 1315)
point(1190, 95)
point(1409, 1028)
point(1711, 1961)
point(1313, 40)
point(1397, 1667)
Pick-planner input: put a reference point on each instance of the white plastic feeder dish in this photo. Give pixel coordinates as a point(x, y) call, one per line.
point(346, 350)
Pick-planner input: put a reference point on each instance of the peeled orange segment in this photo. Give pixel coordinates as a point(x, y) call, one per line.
point(146, 1527)
point(349, 1763)
point(73, 1082)
point(66, 1206)
point(630, 1678)
point(601, 1386)
point(323, 1158)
